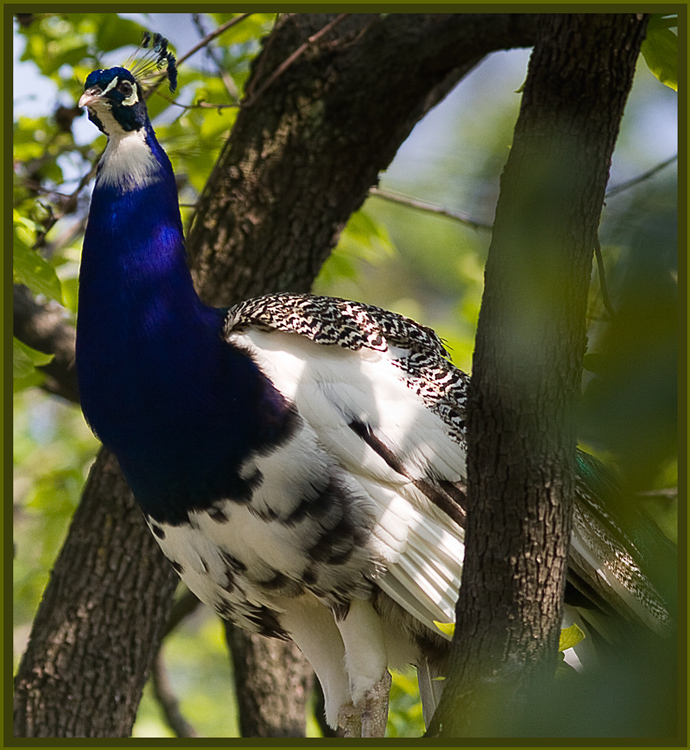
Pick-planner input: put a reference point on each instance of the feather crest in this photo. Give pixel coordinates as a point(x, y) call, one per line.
point(147, 62)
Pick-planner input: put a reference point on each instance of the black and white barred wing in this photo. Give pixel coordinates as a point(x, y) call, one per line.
point(381, 397)
point(384, 402)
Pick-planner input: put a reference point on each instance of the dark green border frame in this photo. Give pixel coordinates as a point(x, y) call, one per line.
point(381, 5)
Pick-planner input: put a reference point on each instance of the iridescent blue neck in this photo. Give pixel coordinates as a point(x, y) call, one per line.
point(158, 384)
point(135, 287)
point(134, 256)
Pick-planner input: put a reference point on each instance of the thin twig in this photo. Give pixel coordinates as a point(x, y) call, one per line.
point(606, 299)
point(36, 187)
point(212, 35)
point(182, 608)
point(168, 701)
point(421, 205)
point(260, 62)
point(669, 492)
point(228, 82)
point(435, 209)
point(341, 45)
point(293, 57)
point(206, 40)
point(640, 178)
point(200, 104)
point(68, 205)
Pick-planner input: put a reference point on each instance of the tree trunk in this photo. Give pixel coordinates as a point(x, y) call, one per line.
point(273, 683)
point(527, 370)
point(100, 620)
point(300, 159)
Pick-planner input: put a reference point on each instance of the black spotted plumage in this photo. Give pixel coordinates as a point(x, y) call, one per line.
point(428, 372)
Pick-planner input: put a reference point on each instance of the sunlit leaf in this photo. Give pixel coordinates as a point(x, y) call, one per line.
point(34, 272)
point(570, 637)
point(447, 628)
point(660, 50)
point(25, 360)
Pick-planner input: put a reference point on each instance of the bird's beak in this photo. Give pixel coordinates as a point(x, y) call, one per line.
point(90, 97)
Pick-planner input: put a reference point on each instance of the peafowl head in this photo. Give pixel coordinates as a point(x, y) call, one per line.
point(114, 101)
point(115, 97)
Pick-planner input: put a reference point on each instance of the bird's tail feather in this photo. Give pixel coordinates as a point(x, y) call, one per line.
point(430, 689)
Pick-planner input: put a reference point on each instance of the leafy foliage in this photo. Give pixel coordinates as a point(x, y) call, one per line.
point(25, 360)
point(29, 268)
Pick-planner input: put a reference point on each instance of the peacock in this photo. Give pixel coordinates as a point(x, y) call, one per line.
point(300, 459)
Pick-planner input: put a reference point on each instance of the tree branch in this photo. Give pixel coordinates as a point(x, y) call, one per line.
point(253, 95)
point(212, 35)
point(168, 701)
point(100, 621)
point(273, 682)
point(601, 267)
point(45, 328)
point(339, 116)
point(416, 203)
point(640, 177)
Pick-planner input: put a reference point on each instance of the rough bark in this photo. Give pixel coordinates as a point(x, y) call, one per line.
point(527, 370)
point(300, 159)
point(273, 685)
point(100, 620)
point(330, 122)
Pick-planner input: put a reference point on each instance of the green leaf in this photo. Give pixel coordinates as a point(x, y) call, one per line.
point(34, 272)
point(663, 21)
point(447, 628)
point(25, 360)
point(363, 239)
point(114, 32)
point(570, 637)
point(660, 50)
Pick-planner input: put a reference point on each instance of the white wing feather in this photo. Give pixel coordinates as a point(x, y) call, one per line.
point(346, 369)
point(332, 387)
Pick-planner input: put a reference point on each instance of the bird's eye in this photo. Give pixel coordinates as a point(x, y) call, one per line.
point(126, 88)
